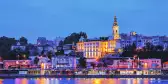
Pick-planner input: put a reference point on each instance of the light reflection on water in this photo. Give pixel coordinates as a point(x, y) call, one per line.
point(83, 81)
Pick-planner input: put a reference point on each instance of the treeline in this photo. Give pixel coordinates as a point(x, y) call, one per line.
point(74, 37)
point(149, 51)
point(8, 54)
point(5, 47)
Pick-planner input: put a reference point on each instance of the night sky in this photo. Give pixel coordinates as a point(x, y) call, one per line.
point(51, 18)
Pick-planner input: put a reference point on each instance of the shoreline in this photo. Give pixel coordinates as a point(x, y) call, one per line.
point(82, 76)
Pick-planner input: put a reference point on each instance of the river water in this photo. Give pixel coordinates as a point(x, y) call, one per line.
point(83, 81)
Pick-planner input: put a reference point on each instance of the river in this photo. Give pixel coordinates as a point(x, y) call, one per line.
point(83, 81)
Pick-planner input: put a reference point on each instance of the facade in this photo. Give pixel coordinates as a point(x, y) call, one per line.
point(18, 46)
point(44, 62)
point(50, 42)
point(64, 62)
point(127, 40)
point(97, 48)
point(68, 48)
point(165, 65)
point(16, 64)
point(155, 40)
point(58, 40)
point(140, 63)
point(41, 41)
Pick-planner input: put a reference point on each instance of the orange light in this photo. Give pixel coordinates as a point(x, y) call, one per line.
point(145, 65)
point(97, 81)
point(42, 65)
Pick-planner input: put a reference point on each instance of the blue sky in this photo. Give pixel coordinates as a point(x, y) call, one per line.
point(51, 18)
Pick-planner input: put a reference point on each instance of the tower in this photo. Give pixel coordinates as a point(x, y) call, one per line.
point(116, 29)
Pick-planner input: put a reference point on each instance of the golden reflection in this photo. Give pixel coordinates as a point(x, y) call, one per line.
point(110, 81)
point(135, 81)
point(24, 81)
point(42, 81)
point(96, 81)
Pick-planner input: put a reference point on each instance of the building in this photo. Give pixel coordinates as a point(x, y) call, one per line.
point(18, 46)
point(58, 40)
point(125, 40)
point(44, 62)
point(41, 41)
point(127, 63)
point(98, 48)
point(165, 65)
point(20, 64)
point(50, 42)
point(133, 65)
point(165, 45)
point(64, 62)
point(156, 40)
point(1, 62)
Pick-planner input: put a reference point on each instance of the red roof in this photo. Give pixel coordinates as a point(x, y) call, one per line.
point(165, 62)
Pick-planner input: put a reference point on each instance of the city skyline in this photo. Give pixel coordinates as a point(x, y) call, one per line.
point(33, 19)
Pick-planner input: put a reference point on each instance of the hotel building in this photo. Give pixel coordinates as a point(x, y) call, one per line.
point(98, 48)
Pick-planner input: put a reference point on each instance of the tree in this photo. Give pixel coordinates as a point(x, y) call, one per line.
point(23, 41)
point(82, 62)
point(166, 48)
point(159, 48)
point(5, 46)
point(49, 54)
point(59, 52)
point(17, 54)
point(130, 50)
point(93, 65)
point(83, 34)
point(36, 60)
point(103, 38)
point(149, 47)
point(61, 43)
point(100, 65)
point(74, 38)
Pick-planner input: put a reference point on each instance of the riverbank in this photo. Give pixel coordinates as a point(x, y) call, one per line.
point(81, 76)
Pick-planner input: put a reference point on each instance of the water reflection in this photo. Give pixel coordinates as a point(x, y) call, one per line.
point(83, 81)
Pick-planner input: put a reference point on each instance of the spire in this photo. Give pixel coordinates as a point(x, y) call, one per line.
point(115, 21)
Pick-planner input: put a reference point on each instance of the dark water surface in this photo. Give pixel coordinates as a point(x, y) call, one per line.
point(83, 81)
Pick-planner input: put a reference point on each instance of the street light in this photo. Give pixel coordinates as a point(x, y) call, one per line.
point(18, 57)
point(24, 56)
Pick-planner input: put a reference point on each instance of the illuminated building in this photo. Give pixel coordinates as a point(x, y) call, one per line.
point(18, 46)
point(165, 65)
point(64, 62)
point(140, 63)
point(98, 48)
point(16, 64)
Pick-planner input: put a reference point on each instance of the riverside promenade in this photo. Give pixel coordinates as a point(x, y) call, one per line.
point(81, 76)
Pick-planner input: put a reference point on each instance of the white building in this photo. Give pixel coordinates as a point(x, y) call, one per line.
point(57, 40)
point(155, 40)
point(18, 46)
point(64, 62)
point(41, 41)
point(50, 42)
point(44, 62)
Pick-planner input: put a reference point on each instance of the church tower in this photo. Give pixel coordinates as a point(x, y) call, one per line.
point(116, 35)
